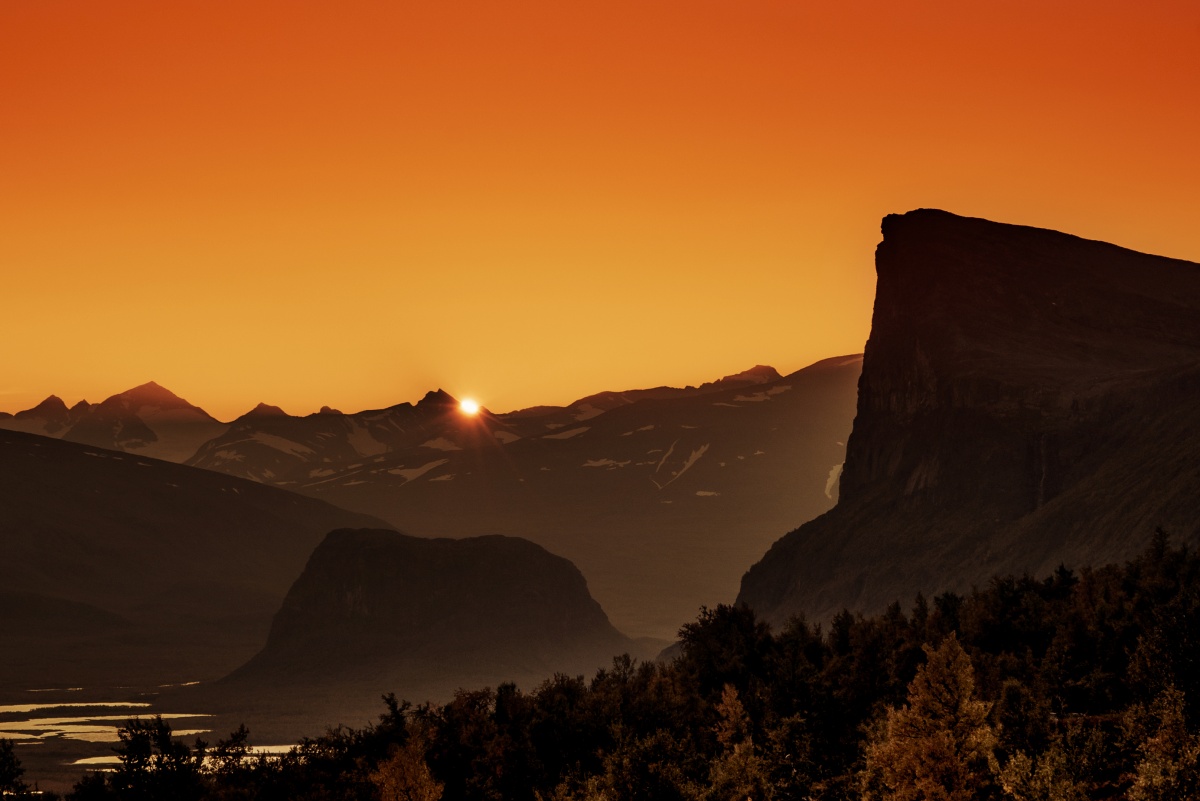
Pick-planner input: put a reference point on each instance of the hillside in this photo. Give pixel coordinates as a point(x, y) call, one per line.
point(137, 566)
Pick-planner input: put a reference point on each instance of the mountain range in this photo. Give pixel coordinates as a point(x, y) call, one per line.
point(661, 496)
point(147, 420)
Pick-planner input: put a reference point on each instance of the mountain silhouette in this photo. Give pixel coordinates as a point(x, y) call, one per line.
point(1027, 399)
point(148, 420)
point(376, 611)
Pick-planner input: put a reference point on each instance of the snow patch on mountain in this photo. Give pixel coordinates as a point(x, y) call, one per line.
point(665, 456)
point(835, 473)
point(687, 465)
point(361, 440)
point(413, 473)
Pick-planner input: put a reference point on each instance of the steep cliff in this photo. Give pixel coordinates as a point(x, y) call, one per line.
point(1027, 398)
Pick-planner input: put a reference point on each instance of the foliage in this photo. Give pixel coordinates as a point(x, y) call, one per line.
point(939, 746)
point(1170, 765)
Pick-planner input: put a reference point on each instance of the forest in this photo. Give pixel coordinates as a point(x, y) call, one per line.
point(1080, 685)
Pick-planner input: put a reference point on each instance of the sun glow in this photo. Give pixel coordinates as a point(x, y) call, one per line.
point(468, 406)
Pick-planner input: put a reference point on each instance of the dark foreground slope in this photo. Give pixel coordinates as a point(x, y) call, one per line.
point(377, 611)
point(115, 567)
point(1027, 398)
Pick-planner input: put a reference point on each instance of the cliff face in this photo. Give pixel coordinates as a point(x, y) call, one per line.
point(1027, 398)
point(378, 611)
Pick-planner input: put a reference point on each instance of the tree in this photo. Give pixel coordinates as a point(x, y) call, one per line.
point(404, 775)
point(1042, 778)
point(154, 764)
point(1170, 766)
point(938, 747)
point(11, 770)
point(739, 772)
point(657, 767)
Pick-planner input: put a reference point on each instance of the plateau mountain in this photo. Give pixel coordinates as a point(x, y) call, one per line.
point(1027, 399)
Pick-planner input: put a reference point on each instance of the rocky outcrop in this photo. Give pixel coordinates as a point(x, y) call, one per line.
point(378, 611)
point(1027, 398)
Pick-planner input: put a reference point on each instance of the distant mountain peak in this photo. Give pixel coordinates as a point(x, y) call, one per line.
point(439, 397)
point(265, 410)
point(51, 404)
point(758, 374)
point(324, 410)
point(153, 393)
point(51, 409)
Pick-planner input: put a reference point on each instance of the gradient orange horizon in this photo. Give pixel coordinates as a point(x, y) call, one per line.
point(308, 203)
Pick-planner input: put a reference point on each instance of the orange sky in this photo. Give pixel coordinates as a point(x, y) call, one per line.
point(350, 203)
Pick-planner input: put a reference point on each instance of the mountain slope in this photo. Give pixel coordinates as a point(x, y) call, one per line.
point(1024, 401)
point(187, 557)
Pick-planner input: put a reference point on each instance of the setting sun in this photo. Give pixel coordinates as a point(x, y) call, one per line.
point(468, 406)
